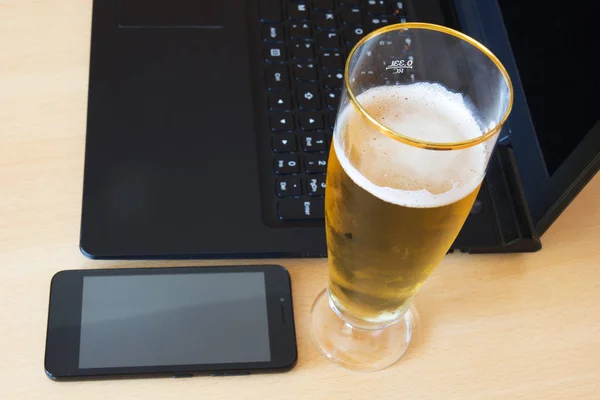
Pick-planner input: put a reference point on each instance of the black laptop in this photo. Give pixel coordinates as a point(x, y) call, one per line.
point(209, 121)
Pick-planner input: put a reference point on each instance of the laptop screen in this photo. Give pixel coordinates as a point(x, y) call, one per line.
point(559, 69)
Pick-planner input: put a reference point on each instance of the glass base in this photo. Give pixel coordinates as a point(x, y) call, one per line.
point(356, 348)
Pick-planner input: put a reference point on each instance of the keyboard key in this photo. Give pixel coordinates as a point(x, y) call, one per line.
point(407, 44)
point(310, 121)
point(297, 11)
point(329, 40)
point(316, 186)
point(298, 209)
point(398, 8)
point(352, 16)
point(377, 22)
point(282, 122)
point(270, 10)
point(305, 72)
point(308, 96)
point(284, 143)
point(323, 4)
point(332, 61)
point(286, 164)
point(288, 186)
point(300, 31)
point(275, 52)
point(324, 20)
point(352, 34)
point(314, 142)
point(277, 78)
point(333, 79)
point(331, 119)
point(332, 98)
point(280, 101)
point(273, 33)
point(315, 163)
point(304, 50)
point(378, 7)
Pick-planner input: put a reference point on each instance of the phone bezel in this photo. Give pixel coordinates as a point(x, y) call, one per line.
point(64, 326)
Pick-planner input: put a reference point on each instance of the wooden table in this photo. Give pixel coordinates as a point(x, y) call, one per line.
point(519, 326)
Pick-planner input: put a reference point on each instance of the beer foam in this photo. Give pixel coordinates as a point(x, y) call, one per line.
point(402, 174)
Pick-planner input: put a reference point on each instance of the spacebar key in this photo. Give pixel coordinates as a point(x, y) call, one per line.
point(291, 209)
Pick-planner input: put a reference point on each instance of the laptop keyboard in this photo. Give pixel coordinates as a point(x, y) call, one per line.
point(305, 44)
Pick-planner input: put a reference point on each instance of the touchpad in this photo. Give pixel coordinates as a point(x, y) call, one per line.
point(170, 13)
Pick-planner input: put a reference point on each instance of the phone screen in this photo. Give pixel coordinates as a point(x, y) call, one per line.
point(180, 319)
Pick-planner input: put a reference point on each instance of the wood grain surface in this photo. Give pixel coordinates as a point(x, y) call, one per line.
point(519, 326)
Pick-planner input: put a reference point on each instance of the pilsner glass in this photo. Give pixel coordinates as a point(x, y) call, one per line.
point(419, 117)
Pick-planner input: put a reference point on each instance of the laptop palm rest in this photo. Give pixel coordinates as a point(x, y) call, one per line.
point(170, 13)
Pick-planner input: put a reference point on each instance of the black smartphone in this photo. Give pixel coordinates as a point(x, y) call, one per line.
point(179, 322)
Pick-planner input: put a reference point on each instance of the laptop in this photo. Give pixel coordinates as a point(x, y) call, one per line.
point(209, 122)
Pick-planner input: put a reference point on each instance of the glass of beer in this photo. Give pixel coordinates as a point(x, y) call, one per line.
point(419, 116)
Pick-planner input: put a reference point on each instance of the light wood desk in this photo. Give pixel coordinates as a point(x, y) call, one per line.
point(521, 326)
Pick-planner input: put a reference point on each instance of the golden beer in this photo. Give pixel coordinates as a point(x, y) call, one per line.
point(381, 253)
point(392, 211)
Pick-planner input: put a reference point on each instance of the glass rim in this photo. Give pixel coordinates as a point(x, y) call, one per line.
point(423, 144)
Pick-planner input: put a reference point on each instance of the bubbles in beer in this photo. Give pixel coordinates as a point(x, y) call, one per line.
point(403, 174)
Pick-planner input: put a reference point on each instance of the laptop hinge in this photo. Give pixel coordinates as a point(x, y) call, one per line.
point(516, 231)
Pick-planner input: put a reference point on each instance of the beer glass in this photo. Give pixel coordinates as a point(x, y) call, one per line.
point(419, 116)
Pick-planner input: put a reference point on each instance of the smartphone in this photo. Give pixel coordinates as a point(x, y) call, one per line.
point(179, 322)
